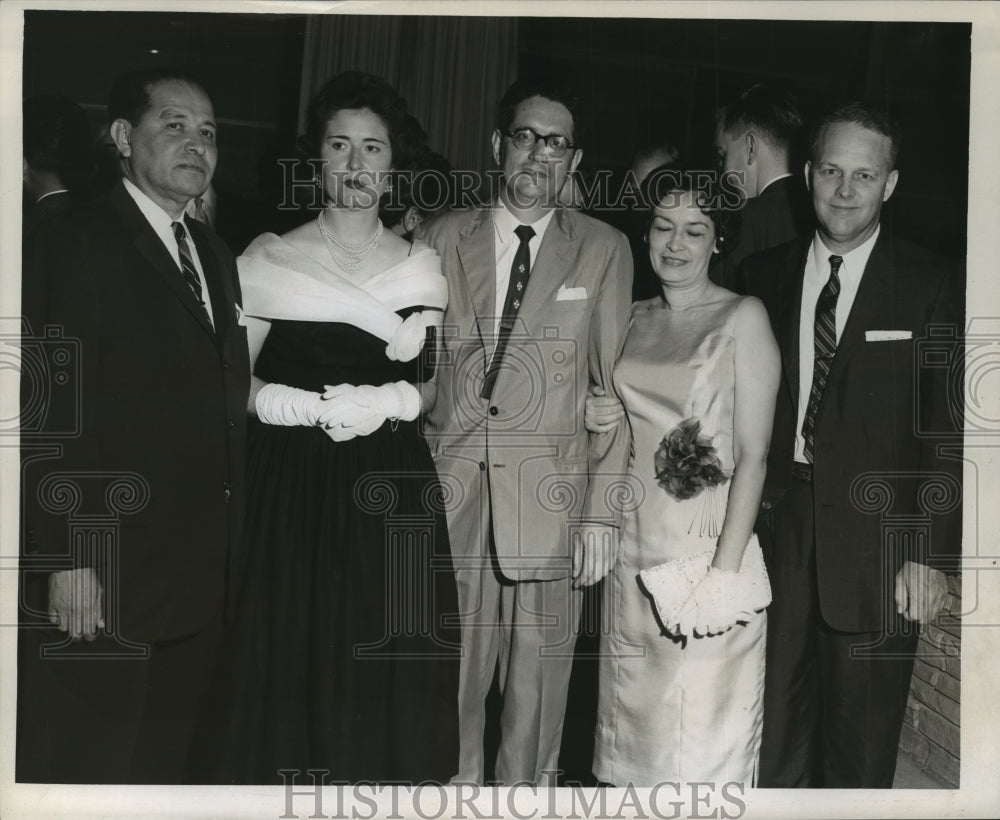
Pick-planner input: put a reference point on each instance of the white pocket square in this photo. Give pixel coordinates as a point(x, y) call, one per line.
point(565, 294)
point(887, 335)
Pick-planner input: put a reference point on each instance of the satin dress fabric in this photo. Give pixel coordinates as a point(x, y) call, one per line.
point(674, 708)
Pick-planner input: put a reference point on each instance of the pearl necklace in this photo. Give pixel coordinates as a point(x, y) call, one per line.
point(349, 256)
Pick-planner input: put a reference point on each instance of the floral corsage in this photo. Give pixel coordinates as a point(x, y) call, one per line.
point(686, 462)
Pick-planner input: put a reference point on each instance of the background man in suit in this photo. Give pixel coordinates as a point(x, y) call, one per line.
point(58, 157)
point(755, 137)
point(152, 299)
point(530, 523)
point(849, 457)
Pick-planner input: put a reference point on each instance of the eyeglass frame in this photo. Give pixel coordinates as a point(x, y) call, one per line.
point(544, 137)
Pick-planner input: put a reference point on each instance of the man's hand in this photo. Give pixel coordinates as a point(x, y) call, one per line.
point(601, 412)
point(921, 592)
point(595, 549)
point(76, 602)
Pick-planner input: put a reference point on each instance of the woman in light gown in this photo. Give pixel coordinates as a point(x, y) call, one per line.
point(682, 655)
point(341, 658)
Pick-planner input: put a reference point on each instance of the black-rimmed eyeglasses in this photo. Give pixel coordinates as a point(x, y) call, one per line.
point(526, 138)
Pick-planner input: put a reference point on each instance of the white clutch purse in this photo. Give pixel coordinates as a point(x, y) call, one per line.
point(693, 599)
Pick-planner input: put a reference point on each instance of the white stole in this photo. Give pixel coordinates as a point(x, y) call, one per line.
point(281, 282)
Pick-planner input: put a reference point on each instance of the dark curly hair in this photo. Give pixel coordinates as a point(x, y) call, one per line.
point(427, 188)
point(716, 201)
point(352, 90)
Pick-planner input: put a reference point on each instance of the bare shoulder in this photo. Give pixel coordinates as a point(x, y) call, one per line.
point(751, 323)
point(749, 310)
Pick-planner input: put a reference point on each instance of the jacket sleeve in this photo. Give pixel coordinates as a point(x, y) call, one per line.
point(940, 397)
point(59, 353)
point(607, 493)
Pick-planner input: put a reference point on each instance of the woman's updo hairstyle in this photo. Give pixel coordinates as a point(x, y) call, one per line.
point(352, 90)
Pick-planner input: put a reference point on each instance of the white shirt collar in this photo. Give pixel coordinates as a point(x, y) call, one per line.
point(155, 215)
point(51, 193)
point(505, 223)
point(772, 181)
point(854, 260)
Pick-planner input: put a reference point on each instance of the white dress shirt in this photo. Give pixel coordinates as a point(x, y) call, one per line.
point(52, 193)
point(162, 223)
point(817, 274)
point(506, 244)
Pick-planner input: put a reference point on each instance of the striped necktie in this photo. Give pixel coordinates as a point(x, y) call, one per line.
point(825, 347)
point(187, 263)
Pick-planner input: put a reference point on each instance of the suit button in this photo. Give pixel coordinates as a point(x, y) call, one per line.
point(228, 488)
point(766, 505)
point(225, 365)
point(231, 423)
point(494, 411)
point(482, 465)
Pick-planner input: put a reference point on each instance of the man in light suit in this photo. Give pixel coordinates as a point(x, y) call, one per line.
point(861, 509)
point(530, 516)
point(755, 137)
point(152, 456)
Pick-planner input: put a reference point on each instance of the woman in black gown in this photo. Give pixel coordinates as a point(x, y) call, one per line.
point(344, 657)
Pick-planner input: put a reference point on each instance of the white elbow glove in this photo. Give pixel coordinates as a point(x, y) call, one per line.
point(350, 411)
point(408, 340)
point(288, 406)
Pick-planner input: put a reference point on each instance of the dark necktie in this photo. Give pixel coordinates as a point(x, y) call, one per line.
point(825, 347)
point(187, 263)
point(515, 293)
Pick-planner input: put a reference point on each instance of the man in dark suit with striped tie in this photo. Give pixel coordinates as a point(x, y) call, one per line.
point(861, 507)
point(131, 513)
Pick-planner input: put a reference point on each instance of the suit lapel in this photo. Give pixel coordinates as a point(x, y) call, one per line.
point(549, 270)
point(476, 251)
point(155, 252)
point(790, 308)
point(220, 288)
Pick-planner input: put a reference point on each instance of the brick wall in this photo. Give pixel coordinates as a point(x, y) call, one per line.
point(931, 728)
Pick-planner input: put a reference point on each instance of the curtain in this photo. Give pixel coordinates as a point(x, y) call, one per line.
point(451, 70)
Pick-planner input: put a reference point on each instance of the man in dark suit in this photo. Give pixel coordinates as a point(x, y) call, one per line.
point(530, 522)
point(58, 158)
point(130, 518)
point(859, 506)
point(755, 136)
